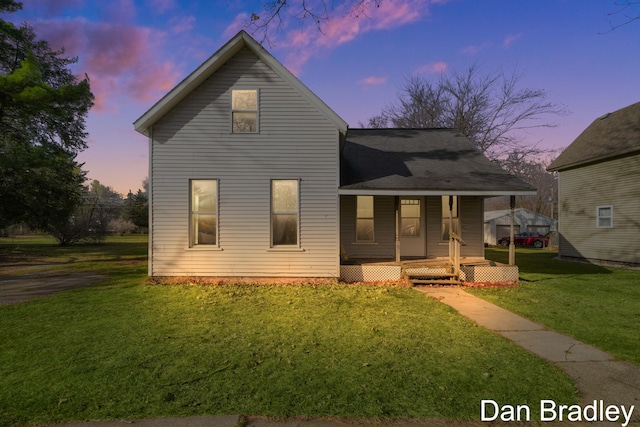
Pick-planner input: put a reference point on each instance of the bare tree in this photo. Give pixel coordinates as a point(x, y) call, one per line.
point(276, 13)
point(627, 12)
point(491, 110)
point(535, 173)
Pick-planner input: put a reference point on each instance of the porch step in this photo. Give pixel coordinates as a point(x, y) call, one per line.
point(433, 278)
point(433, 274)
point(451, 281)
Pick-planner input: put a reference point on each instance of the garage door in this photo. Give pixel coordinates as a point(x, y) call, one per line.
point(503, 230)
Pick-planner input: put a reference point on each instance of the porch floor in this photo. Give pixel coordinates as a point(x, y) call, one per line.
point(427, 270)
point(419, 262)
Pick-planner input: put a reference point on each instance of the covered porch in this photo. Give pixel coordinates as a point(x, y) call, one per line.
point(412, 206)
point(472, 271)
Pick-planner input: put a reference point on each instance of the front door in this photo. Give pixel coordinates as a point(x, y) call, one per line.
point(413, 231)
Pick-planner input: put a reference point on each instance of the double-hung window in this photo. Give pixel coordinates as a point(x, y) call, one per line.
point(285, 213)
point(364, 219)
point(450, 217)
point(204, 212)
point(604, 216)
point(244, 111)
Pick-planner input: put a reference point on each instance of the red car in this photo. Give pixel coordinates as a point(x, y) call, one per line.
point(536, 240)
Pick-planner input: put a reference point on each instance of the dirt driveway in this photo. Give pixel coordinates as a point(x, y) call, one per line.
point(15, 288)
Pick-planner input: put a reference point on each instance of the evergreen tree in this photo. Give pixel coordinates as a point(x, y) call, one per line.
point(42, 128)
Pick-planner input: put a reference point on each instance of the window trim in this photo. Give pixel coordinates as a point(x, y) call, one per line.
point(599, 217)
point(372, 218)
point(296, 246)
point(204, 246)
point(256, 111)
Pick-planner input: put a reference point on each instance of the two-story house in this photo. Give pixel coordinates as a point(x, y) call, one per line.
point(251, 174)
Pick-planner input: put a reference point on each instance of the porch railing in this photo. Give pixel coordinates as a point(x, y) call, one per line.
point(455, 242)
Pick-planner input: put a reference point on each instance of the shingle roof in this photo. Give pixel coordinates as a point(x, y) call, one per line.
point(611, 135)
point(425, 161)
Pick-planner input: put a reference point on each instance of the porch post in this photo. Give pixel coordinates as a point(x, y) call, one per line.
point(397, 229)
point(512, 243)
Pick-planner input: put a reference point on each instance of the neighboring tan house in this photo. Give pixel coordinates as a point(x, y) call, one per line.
point(599, 190)
point(497, 224)
point(251, 174)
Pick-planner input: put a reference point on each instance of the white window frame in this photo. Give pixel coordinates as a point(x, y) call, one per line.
point(600, 217)
point(192, 214)
point(256, 111)
point(272, 213)
point(372, 218)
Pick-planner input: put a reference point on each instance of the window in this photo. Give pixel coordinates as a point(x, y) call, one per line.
point(364, 219)
point(604, 217)
point(244, 111)
point(284, 212)
point(204, 212)
point(446, 222)
point(410, 217)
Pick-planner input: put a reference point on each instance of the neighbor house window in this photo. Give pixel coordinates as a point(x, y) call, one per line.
point(244, 111)
point(604, 216)
point(410, 217)
point(204, 212)
point(450, 220)
point(364, 219)
point(284, 212)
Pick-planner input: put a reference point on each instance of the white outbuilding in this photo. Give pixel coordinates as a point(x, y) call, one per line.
point(497, 223)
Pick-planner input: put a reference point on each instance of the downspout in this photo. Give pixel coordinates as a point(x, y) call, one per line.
point(512, 243)
point(397, 229)
point(150, 202)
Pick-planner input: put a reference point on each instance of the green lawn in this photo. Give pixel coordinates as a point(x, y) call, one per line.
point(598, 305)
point(127, 349)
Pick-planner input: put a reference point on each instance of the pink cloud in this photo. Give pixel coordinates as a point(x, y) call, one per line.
point(389, 14)
point(474, 49)
point(119, 10)
point(162, 6)
point(301, 45)
point(120, 59)
point(182, 24)
point(51, 7)
point(239, 23)
point(433, 68)
point(510, 39)
point(373, 81)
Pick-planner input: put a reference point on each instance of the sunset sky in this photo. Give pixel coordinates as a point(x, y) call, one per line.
point(134, 51)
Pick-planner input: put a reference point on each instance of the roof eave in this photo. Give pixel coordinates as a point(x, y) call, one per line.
point(564, 166)
point(400, 192)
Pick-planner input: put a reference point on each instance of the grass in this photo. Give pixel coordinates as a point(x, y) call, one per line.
point(127, 349)
point(598, 305)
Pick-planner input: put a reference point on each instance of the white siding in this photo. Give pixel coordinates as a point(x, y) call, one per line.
point(471, 217)
point(384, 212)
point(471, 227)
point(616, 183)
point(295, 141)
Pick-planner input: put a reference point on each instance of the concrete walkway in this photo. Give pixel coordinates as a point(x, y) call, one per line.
point(596, 374)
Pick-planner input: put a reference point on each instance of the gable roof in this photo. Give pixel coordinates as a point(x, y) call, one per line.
point(421, 162)
point(611, 135)
point(241, 40)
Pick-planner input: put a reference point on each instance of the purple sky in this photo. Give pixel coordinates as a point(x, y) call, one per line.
point(134, 51)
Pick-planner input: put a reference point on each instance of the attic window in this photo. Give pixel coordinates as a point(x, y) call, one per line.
point(244, 111)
